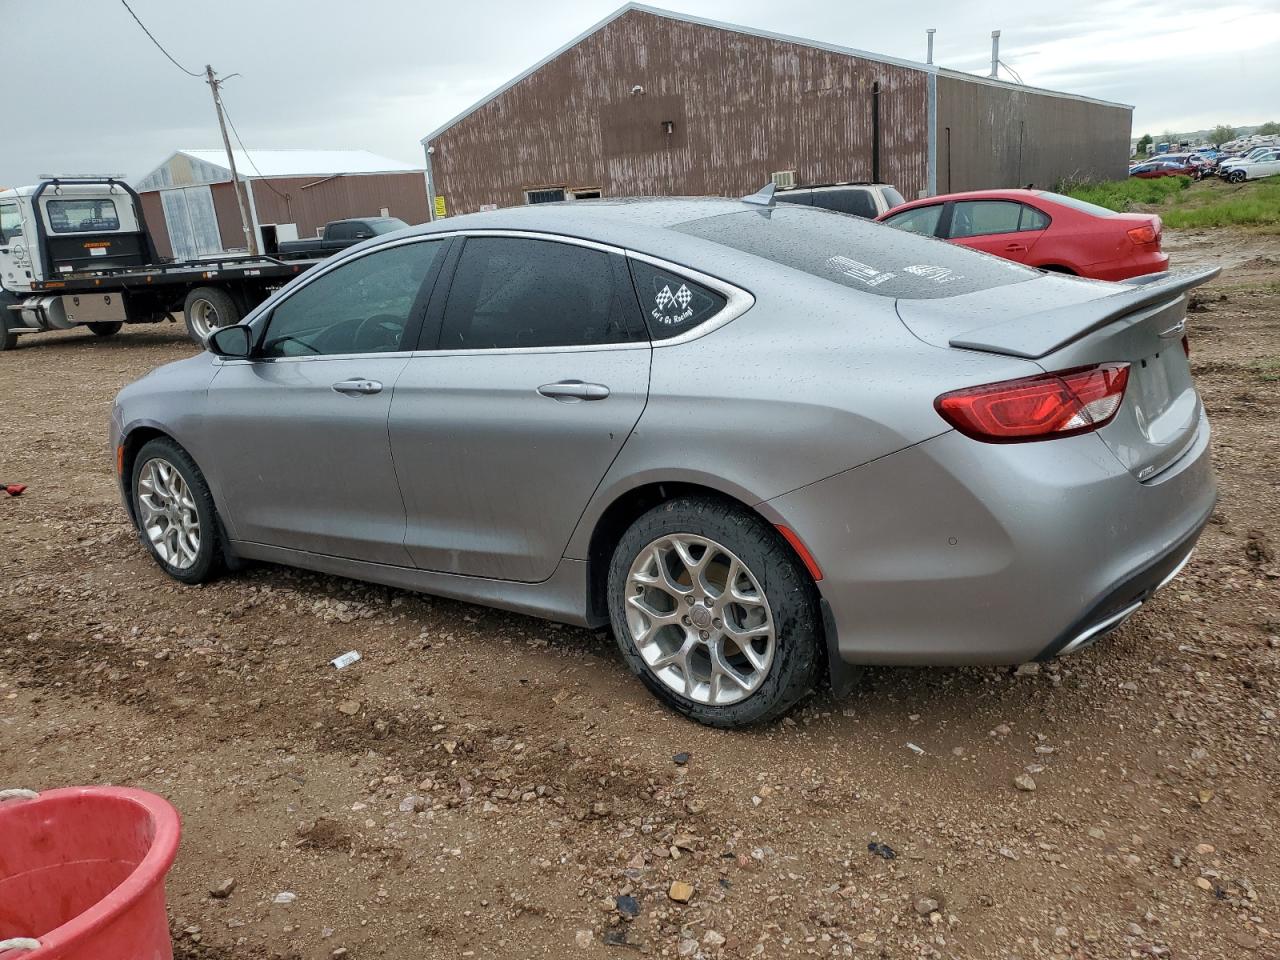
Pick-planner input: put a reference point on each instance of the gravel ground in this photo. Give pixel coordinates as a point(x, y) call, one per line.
point(483, 784)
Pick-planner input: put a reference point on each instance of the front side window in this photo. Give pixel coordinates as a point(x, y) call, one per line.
point(10, 222)
point(82, 215)
point(362, 306)
point(515, 293)
point(672, 305)
point(921, 220)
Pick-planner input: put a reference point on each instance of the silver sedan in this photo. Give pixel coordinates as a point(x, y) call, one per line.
point(762, 443)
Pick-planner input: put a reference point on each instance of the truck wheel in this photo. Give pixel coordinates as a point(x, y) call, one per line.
point(106, 329)
point(206, 309)
point(8, 339)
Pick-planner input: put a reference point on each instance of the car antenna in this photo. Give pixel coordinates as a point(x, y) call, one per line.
point(762, 197)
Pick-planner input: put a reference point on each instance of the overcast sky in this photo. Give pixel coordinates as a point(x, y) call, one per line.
point(85, 90)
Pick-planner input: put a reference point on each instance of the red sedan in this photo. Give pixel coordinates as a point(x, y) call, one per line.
point(1040, 229)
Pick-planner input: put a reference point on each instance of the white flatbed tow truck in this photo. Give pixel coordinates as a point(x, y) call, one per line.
point(76, 251)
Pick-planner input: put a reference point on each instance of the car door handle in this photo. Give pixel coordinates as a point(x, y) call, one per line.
point(1015, 247)
point(354, 388)
point(571, 391)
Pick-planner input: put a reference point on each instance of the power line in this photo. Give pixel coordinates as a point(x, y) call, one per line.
point(190, 73)
point(248, 156)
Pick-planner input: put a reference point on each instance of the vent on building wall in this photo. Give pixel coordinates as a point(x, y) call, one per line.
point(784, 179)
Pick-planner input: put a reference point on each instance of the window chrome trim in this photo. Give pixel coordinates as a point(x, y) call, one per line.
point(737, 300)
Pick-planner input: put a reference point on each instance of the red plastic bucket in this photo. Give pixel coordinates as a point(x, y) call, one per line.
point(82, 871)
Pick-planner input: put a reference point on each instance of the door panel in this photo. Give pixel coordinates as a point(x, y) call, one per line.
point(1004, 228)
point(299, 434)
point(502, 433)
point(496, 474)
point(303, 466)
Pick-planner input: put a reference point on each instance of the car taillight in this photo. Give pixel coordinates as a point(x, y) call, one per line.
point(1186, 346)
point(1037, 408)
point(1143, 234)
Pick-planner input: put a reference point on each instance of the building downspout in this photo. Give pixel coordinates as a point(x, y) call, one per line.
point(427, 151)
point(875, 132)
point(932, 120)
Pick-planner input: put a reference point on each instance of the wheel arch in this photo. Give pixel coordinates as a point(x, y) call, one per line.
point(629, 505)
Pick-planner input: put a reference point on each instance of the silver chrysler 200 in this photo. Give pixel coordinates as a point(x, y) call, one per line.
point(762, 443)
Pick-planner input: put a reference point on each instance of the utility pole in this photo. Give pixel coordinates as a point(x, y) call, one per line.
point(249, 233)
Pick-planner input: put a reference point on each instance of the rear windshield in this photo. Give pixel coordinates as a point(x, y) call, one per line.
point(82, 215)
point(859, 254)
point(1075, 204)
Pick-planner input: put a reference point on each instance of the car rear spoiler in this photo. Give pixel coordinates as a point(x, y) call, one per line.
point(1037, 335)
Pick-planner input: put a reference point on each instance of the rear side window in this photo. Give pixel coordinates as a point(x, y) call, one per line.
point(922, 220)
point(979, 218)
point(851, 200)
point(859, 254)
point(672, 305)
point(511, 293)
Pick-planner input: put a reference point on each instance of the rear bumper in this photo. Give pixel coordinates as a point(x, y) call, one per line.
point(958, 552)
point(1135, 266)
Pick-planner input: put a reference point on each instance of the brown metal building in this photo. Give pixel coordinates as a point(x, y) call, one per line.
point(653, 102)
point(190, 202)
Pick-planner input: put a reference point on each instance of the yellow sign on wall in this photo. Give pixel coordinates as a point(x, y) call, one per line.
point(440, 208)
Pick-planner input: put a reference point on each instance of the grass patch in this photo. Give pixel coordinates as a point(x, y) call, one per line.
point(1124, 195)
point(1183, 205)
point(1267, 369)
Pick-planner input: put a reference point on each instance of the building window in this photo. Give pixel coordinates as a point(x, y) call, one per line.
point(545, 195)
point(591, 194)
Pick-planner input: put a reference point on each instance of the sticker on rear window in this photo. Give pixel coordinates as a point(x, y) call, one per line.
point(937, 274)
point(862, 272)
point(672, 308)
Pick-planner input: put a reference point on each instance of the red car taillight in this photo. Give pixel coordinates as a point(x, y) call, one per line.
point(1143, 234)
point(1037, 408)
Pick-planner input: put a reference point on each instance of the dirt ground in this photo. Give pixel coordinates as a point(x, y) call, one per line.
point(486, 785)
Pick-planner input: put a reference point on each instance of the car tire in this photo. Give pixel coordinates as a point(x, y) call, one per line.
point(787, 649)
point(166, 512)
point(206, 309)
point(8, 339)
point(1236, 176)
point(106, 329)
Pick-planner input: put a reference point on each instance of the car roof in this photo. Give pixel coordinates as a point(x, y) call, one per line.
point(596, 215)
point(829, 186)
point(1013, 193)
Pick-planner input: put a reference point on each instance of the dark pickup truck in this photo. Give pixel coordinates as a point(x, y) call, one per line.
point(338, 235)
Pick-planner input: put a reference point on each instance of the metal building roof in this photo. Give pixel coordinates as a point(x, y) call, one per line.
point(257, 164)
point(750, 31)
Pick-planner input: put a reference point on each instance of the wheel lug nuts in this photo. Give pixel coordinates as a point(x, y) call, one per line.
point(703, 634)
point(717, 623)
point(686, 621)
point(689, 600)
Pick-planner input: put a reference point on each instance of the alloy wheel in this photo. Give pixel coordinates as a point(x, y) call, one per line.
point(699, 619)
point(167, 513)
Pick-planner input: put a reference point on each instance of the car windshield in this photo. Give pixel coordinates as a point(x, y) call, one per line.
point(859, 254)
point(1082, 205)
point(386, 225)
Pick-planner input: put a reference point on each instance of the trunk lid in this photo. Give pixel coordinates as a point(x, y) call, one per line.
point(1065, 323)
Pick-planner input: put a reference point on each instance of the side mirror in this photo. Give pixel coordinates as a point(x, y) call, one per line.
point(235, 343)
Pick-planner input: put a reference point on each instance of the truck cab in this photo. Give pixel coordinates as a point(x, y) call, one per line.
point(59, 229)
